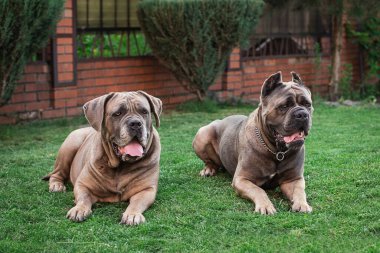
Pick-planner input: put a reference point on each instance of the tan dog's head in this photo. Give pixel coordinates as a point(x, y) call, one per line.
point(286, 109)
point(125, 122)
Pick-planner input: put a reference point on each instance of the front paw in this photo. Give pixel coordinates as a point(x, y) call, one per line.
point(207, 172)
point(265, 207)
point(301, 207)
point(57, 187)
point(78, 213)
point(132, 219)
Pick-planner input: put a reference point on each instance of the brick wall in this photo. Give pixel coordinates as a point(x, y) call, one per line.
point(45, 92)
point(31, 96)
point(96, 78)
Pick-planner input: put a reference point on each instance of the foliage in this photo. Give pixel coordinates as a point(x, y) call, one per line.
point(317, 55)
point(194, 214)
point(345, 82)
point(194, 38)
point(368, 37)
point(25, 27)
point(354, 11)
point(114, 45)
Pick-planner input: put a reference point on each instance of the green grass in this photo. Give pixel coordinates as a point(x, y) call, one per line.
point(194, 214)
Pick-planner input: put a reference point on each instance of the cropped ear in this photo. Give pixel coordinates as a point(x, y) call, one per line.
point(155, 106)
point(271, 83)
point(94, 110)
point(296, 78)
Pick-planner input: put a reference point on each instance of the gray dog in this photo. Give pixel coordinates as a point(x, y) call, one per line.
point(117, 159)
point(265, 149)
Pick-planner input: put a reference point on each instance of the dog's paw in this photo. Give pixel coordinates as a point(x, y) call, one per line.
point(132, 219)
point(301, 207)
point(57, 187)
point(207, 172)
point(78, 214)
point(265, 208)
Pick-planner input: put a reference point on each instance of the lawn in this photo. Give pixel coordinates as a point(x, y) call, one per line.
point(194, 214)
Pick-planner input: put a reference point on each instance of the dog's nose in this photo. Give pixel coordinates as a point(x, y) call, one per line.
point(301, 115)
point(135, 124)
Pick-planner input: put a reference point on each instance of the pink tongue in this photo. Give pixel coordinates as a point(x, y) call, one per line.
point(133, 149)
point(293, 137)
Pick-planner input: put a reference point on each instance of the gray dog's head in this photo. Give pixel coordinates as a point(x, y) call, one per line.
point(286, 109)
point(124, 120)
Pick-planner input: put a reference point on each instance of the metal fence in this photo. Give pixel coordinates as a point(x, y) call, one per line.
point(109, 28)
point(289, 31)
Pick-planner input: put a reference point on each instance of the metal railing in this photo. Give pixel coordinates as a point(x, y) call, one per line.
point(285, 45)
point(106, 43)
point(109, 28)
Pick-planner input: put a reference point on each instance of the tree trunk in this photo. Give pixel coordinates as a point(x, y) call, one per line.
point(200, 95)
point(337, 30)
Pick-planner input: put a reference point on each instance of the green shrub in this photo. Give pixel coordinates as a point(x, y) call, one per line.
point(345, 82)
point(194, 38)
point(368, 37)
point(25, 27)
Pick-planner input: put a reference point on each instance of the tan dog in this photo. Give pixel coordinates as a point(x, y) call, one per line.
point(265, 149)
point(117, 159)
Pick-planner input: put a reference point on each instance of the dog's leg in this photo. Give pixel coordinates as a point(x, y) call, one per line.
point(204, 145)
point(65, 157)
point(84, 201)
point(138, 203)
point(295, 192)
point(249, 190)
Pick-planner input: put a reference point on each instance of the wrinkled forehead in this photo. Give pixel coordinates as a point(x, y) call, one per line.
point(291, 89)
point(127, 100)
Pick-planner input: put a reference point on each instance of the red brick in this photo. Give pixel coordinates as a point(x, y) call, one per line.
point(19, 88)
point(24, 97)
point(68, 13)
point(65, 77)
point(65, 67)
point(27, 78)
point(43, 95)
point(61, 49)
point(68, 30)
point(236, 50)
point(65, 58)
point(54, 113)
point(38, 105)
point(71, 102)
point(31, 87)
point(59, 94)
point(104, 81)
point(7, 120)
point(64, 41)
point(91, 91)
point(60, 30)
point(11, 108)
point(235, 57)
point(85, 65)
point(68, 49)
point(65, 22)
point(59, 103)
point(75, 111)
point(269, 62)
point(69, 4)
point(234, 65)
point(43, 78)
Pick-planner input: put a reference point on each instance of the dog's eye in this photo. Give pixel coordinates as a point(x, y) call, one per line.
point(307, 104)
point(116, 114)
point(283, 107)
point(144, 111)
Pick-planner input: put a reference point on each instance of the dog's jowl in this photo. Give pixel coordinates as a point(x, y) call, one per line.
point(116, 159)
point(265, 149)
